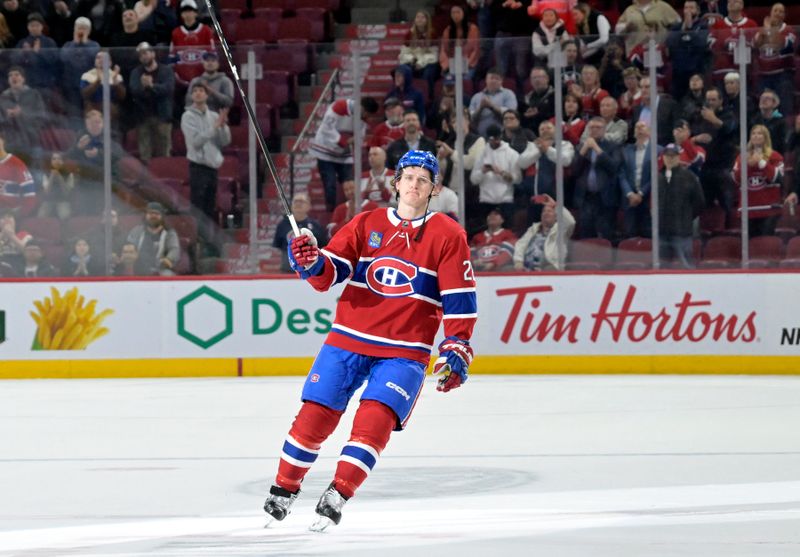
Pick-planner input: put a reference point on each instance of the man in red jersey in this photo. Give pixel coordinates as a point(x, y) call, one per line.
point(408, 270)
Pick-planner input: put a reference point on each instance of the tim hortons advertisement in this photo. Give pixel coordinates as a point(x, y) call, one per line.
point(522, 315)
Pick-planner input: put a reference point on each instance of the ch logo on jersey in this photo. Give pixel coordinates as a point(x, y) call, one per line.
point(375, 239)
point(488, 252)
point(391, 277)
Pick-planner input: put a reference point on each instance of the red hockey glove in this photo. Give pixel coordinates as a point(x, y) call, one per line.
point(455, 356)
point(304, 254)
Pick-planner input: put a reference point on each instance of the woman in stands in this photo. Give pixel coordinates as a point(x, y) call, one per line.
point(764, 182)
point(460, 32)
point(574, 123)
point(592, 29)
point(420, 51)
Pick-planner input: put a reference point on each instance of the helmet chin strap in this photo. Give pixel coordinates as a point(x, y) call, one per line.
point(418, 236)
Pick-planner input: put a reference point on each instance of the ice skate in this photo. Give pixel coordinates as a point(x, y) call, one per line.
point(329, 509)
point(279, 503)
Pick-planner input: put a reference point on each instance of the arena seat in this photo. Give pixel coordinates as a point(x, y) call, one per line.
point(721, 252)
point(765, 251)
point(169, 167)
point(43, 229)
point(634, 254)
point(792, 258)
point(590, 254)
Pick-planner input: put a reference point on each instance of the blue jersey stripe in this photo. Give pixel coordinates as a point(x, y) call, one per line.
point(459, 303)
point(359, 454)
point(297, 453)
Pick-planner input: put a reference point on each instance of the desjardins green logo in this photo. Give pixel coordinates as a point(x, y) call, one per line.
point(205, 317)
point(2, 326)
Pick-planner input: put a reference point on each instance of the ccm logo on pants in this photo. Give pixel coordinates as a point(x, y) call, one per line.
point(399, 390)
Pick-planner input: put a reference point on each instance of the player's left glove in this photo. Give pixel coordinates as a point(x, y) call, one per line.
point(455, 356)
point(304, 254)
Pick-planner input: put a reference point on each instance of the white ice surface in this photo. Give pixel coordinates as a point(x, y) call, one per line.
point(528, 466)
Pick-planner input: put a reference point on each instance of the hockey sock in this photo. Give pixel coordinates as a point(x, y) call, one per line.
point(313, 424)
point(372, 427)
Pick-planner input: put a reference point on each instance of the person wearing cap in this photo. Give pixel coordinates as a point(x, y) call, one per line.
point(152, 86)
point(206, 132)
point(158, 245)
point(391, 128)
point(680, 201)
point(219, 85)
point(38, 55)
point(77, 58)
point(189, 41)
point(691, 155)
point(495, 173)
point(493, 248)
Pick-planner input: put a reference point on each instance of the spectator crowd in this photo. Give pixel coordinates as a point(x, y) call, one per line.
point(159, 62)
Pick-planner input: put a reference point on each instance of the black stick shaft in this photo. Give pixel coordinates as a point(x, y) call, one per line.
point(287, 209)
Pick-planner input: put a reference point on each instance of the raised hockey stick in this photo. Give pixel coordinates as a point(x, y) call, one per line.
point(251, 115)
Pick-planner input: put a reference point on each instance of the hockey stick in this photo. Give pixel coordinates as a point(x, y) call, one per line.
point(251, 115)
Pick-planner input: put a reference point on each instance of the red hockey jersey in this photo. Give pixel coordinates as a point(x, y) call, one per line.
point(493, 247)
point(763, 186)
point(399, 289)
point(17, 189)
point(723, 39)
point(189, 46)
point(775, 56)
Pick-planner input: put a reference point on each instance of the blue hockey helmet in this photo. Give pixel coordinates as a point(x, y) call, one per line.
point(425, 159)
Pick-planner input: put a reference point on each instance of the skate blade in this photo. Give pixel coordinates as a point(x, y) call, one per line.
point(321, 524)
point(270, 521)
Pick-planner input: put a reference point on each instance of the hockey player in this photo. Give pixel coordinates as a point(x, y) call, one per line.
point(408, 270)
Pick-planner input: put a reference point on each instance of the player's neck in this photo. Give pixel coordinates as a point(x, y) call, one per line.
point(407, 212)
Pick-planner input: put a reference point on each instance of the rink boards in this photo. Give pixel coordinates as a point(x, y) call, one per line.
point(722, 322)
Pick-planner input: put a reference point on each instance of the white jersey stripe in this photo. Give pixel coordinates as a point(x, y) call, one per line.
point(367, 448)
point(381, 339)
point(295, 462)
point(355, 462)
point(457, 290)
point(460, 316)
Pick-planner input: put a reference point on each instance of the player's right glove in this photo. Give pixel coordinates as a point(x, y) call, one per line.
point(455, 356)
point(304, 254)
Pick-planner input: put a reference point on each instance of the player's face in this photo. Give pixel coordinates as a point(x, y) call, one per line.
point(415, 187)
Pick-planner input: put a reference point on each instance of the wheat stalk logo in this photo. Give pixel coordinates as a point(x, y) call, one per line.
point(65, 323)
